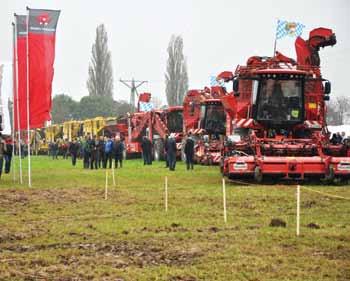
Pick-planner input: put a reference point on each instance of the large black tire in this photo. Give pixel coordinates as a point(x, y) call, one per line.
point(158, 150)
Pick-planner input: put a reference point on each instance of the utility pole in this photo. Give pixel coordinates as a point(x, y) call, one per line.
point(132, 85)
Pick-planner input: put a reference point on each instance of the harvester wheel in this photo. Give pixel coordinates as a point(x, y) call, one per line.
point(258, 175)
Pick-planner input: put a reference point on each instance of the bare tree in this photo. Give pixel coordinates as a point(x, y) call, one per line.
point(343, 105)
point(337, 111)
point(100, 81)
point(176, 78)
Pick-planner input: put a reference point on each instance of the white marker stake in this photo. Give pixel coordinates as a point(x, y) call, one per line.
point(224, 199)
point(166, 194)
point(113, 170)
point(298, 210)
point(106, 185)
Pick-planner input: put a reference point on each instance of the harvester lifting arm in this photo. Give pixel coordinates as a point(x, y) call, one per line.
point(307, 51)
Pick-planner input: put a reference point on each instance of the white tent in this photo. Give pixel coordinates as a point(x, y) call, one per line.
point(6, 88)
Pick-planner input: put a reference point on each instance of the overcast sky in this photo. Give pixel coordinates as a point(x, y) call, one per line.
point(217, 35)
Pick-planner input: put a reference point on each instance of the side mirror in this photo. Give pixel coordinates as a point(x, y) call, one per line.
point(327, 88)
point(326, 98)
point(235, 85)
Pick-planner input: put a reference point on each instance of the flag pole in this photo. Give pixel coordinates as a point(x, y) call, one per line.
point(13, 102)
point(28, 124)
point(17, 105)
point(275, 44)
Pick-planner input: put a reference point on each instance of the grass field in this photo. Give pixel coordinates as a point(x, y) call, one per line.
point(63, 229)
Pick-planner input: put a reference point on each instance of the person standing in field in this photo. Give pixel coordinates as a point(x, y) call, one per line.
point(189, 151)
point(55, 150)
point(118, 152)
point(86, 151)
point(8, 154)
point(171, 151)
point(108, 151)
point(73, 150)
point(2, 152)
point(101, 152)
point(94, 153)
point(166, 151)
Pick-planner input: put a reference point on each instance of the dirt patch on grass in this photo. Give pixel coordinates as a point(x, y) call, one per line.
point(121, 254)
point(18, 197)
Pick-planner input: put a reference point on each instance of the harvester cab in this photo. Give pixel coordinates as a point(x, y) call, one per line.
point(205, 118)
point(278, 99)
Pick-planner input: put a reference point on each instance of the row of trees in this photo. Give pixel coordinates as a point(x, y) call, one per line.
point(65, 108)
point(100, 83)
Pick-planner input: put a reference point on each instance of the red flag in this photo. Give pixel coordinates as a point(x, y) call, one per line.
point(20, 69)
point(41, 45)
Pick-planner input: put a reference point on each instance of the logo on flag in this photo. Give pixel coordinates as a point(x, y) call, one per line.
point(146, 106)
point(43, 19)
point(286, 28)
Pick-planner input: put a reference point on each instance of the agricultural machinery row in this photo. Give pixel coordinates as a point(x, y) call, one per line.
point(271, 124)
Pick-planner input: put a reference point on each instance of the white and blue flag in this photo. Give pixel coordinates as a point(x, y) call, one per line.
point(146, 106)
point(288, 28)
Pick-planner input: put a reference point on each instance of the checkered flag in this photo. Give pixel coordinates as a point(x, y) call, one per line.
point(146, 106)
point(288, 28)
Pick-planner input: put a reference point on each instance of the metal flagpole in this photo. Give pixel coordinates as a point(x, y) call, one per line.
point(274, 47)
point(28, 124)
point(13, 102)
point(17, 105)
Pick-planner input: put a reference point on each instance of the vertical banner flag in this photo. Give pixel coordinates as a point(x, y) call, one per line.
point(286, 28)
point(20, 71)
point(42, 26)
point(5, 94)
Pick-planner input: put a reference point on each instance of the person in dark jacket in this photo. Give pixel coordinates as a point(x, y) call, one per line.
point(146, 147)
point(54, 150)
point(73, 151)
point(118, 152)
point(8, 155)
point(86, 151)
point(189, 151)
point(108, 150)
point(171, 152)
point(94, 153)
point(2, 152)
point(166, 151)
point(100, 151)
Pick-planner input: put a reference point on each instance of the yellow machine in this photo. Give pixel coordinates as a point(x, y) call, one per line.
point(54, 132)
point(71, 129)
point(96, 125)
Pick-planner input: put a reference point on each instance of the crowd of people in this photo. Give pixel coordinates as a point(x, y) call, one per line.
point(338, 138)
point(96, 152)
point(100, 152)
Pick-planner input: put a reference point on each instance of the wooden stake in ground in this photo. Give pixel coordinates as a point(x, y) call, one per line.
point(166, 194)
point(224, 198)
point(298, 210)
point(106, 185)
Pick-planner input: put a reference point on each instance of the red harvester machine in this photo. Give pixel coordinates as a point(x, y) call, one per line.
point(154, 124)
point(278, 116)
point(205, 118)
